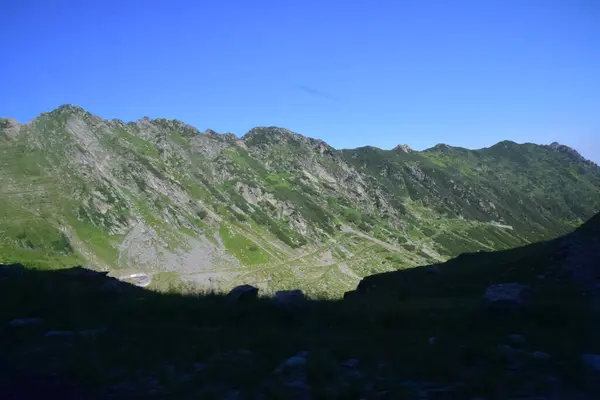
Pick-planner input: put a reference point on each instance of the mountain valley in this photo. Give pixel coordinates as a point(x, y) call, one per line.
point(206, 211)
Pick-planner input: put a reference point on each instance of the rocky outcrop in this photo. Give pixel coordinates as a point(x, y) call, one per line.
point(243, 293)
point(9, 127)
point(574, 154)
point(403, 148)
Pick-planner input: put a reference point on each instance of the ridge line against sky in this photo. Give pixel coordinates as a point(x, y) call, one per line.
point(467, 73)
point(240, 135)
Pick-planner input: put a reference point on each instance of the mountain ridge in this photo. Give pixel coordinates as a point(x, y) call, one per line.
point(272, 207)
point(404, 147)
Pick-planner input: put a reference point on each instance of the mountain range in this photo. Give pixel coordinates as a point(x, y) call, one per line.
point(273, 208)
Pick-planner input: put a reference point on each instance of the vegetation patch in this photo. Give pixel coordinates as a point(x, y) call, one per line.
point(245, 250)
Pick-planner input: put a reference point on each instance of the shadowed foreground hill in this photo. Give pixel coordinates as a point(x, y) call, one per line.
point(571, 258)
point(424, 333)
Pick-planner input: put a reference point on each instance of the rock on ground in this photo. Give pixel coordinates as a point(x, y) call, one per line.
point(508, 295)
point(242, 293)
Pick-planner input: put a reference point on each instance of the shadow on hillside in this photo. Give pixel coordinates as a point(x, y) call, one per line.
point(77, 333)
point(540, 264)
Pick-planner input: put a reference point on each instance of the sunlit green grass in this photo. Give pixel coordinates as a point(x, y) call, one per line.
point(246, 251)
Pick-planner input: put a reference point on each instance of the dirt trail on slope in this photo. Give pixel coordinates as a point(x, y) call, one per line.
point(387, 245)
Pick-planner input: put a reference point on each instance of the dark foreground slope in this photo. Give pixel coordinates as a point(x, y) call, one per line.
point(547, 266)
point(423, 333)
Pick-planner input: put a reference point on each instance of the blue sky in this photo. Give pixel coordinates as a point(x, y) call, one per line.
point(464, 72)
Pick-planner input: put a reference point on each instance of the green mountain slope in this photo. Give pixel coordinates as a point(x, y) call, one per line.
point(273, 208)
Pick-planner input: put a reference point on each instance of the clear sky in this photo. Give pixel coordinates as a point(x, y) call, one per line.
point(418, 72)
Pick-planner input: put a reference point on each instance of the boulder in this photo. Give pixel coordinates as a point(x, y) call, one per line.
point(508, 295)
point(293, 370)
point(299, 361)
point(289, 298)
point(242, 293)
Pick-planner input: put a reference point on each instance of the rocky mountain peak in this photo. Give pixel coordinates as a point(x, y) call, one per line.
point(7, 123)
point(70, 108)
point(272, 131)
point(505, 144)
point(144, 119)
point(442, 148)
point(9, 127)
point(232, 137)
point(70, 112)
point(177, 125)
point(567, 150)
point(403, 147)
point(267, 135)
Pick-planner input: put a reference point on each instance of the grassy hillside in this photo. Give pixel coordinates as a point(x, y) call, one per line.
point(273, 208)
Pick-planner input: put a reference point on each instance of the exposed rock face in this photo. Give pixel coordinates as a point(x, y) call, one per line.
point(9, 127)
point(574, 154)
point(403, 147)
